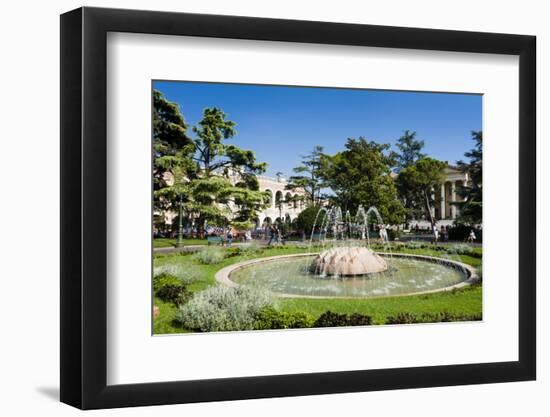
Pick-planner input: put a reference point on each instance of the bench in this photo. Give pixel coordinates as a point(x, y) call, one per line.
point(213, 240)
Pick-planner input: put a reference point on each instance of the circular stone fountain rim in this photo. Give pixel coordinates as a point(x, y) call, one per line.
point(222, 276)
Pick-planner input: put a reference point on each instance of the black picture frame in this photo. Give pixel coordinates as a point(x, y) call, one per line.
point(84, 207)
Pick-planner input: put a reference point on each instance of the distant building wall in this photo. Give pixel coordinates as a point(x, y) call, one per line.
point(283, 203)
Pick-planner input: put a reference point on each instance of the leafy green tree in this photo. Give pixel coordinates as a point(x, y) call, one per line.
point(360, 175)
point(416, 185)
point(214, 192)
point(172, 149)
point(248, 201)
point(169, 126)
point(471, 210)
point(310, 177)
point(306, 219)
point(410, 150)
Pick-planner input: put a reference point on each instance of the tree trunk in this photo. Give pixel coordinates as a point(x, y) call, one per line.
point(428, 209)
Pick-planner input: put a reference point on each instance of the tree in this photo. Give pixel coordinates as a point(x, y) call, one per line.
point(471, 210)
point(360, 175)
point(416, 185)
point(306, 219)
point(248, 201)
point(410, 150)
point(169, 127)
point(225, 175)
point(172, 149)
point(311, 178)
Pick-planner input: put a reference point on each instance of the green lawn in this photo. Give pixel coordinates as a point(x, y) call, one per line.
point(164, 322)
point(466, 301)
point(209, 271)
point(166, 243)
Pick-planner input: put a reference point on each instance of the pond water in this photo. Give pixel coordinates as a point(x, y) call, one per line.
point(404, 276)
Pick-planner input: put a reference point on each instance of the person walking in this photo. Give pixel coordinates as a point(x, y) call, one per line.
point(229, 238)
point(472, 236)
point(436, 234)
point(277, 233)
point(280, 237)
point(271, 235)
point(383, 234)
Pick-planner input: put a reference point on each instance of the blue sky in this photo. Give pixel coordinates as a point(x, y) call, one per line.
point(281, 123)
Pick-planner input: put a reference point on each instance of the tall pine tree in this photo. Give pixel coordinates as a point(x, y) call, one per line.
point(311, 175)
point(471, 210)
point(410, 150)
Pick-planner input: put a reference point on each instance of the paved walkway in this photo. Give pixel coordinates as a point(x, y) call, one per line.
point(194, 248)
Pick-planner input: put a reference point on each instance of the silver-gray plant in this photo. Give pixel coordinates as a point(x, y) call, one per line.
point(187, 274)
point(224, 309)
point(460, 249)
point(209, 256)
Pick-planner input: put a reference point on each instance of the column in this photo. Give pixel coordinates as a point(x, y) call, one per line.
point(453, 199)
point(442, 202)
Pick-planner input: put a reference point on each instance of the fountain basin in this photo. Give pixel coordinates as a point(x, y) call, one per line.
point(289, 276)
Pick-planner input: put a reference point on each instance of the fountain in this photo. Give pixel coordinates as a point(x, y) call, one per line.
point(345, 257)
point(340, 263)
point(348, 261)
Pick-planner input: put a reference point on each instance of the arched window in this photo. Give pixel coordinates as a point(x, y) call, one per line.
point(288, 199)
point(278, 197)
point(270, 193)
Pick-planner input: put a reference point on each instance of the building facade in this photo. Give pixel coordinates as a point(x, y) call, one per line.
point(445, 211)
point(283, 204)
point(286, 205)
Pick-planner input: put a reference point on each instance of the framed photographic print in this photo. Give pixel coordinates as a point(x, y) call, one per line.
point(257, 208)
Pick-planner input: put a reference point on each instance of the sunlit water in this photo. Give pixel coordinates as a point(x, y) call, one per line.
point(405, 276)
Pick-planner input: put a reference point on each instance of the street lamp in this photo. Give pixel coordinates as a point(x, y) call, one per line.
point(179, 242)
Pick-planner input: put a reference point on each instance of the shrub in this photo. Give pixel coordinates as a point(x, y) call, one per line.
point(250, 249)
point(460, 249)
point(409, 318)
point(414, 244)
point(185, 273)
point(464, 249)
point(223, 309)
point(330, 319)
point(164, 278)
point(269, 318)
point(402, 318)
point(394, 234)
point(357, 319)
point(209, 256)
point(245, 250)
point(171, 289)
point(306, 219)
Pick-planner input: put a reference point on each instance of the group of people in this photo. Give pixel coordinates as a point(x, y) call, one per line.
point(443, 235)
point(227, 238)
point(275, 235)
